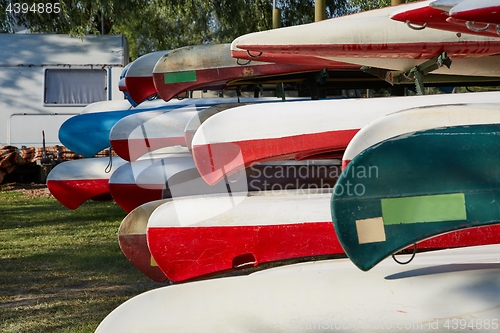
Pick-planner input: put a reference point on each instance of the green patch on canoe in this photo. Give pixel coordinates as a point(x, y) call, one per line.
point(179, 77)
point(425, 208)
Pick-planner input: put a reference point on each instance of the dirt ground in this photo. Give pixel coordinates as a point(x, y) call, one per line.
point(29, 190)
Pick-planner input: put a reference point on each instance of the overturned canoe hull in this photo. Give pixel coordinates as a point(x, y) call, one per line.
point(423, 15)
point(139, 78)
point(74, 182)
point(236, 138)
point(418, 119)
point(371, 38)
point(461, 288)
point(211, 66)
point(410, 192)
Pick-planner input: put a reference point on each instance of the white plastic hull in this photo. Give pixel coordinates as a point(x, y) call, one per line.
point(418, 119)
point(74, 182)
point(371, 38)
point(238, 137)
point(450, 290)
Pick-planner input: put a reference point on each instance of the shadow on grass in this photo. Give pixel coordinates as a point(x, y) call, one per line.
point(62, 270)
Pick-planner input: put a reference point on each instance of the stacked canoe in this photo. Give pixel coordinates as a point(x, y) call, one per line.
point(220, 186)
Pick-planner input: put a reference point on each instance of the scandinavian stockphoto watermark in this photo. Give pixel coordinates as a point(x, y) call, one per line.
point(303, 177)
point(308, 177)
point(358, 175)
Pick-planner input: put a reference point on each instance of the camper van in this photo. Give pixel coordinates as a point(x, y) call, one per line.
point(47, 78)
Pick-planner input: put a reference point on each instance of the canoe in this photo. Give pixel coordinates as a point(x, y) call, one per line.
point(416, 186)
point(88, 133)
point(272, 176)
point(477, 11)
point(211, 66)
point(418, 119)
point(309, 174)
point(121, 84)
point(185, 182)
point(456, 290)
point(139, 78)
point(236, 138)
point(424, 14)
point(445, 5)
point(372, 39)
point(195, 122)
point(118, 104)
point(226, 233)
point(142, 181)
point(74, 182)
point(233, 231)
point(139, 133)
point(133, 242)
point(175, 175)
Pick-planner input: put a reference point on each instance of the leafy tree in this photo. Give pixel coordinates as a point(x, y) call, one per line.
point(362, 5)
point(153, 25)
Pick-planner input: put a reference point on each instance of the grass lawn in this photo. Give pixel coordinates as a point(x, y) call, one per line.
point(61, 270)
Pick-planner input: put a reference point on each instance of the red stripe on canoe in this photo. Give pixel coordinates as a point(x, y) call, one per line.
point(72, 193)
point(420, 50)
point(216, 160)
point(487, 15)
point(184, 253)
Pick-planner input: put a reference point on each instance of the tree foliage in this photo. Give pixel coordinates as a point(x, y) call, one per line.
point(151, 25)
point(362, 5)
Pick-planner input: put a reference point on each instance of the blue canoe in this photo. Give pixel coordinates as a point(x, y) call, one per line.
point(87, 134)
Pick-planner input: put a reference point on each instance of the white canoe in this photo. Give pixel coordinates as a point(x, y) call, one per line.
point(105, 106)
point(74, 182)
point(419, 119)
point(141, 181)
point(486, 11)
point(286, 175)
point(194, 236)
point(371, 38)
point(195, 122)
point(236, 138)
point(428, 14)
point(139, 133)
point(444, 5)
point(455, 290)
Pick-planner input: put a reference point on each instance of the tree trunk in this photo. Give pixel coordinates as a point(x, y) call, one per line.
point(319, 10)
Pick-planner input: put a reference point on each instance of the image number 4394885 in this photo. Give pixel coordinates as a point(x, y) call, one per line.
point(39, 8)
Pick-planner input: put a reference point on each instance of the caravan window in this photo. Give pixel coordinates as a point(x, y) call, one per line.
point(75, 86)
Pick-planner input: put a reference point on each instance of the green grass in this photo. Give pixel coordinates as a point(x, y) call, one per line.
point(61, 270)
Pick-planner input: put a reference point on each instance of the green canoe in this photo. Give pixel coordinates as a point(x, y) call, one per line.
point(416, 186)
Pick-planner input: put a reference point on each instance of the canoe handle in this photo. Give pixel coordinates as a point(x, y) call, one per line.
point(409, 260)
point(470, 26)
point(109, 167)
point(242, 64)
point(414, 27)
point(253, 56)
